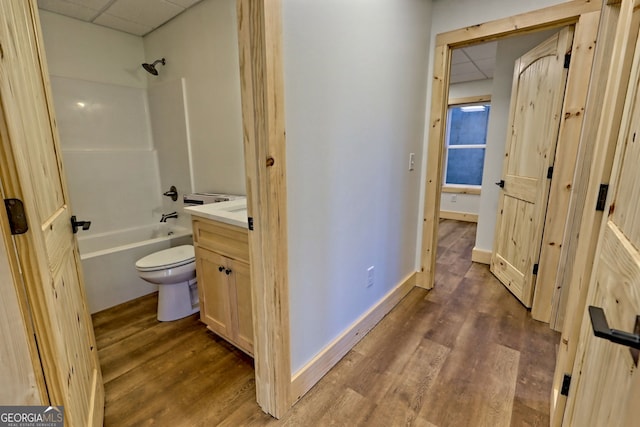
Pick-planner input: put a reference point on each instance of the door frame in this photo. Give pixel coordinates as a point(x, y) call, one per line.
point(584, 14)
point(263, 125)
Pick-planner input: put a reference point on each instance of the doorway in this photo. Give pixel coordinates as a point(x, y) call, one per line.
point(553, 18)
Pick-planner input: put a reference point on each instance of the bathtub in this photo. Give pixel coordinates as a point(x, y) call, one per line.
point(108, 261)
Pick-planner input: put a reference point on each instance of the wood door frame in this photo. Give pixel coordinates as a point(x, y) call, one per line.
point(582, 14)
point(262, 94)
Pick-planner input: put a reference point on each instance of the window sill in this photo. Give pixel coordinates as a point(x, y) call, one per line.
point(461, 190)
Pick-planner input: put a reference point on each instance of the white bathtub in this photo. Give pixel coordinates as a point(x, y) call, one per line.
point(108, 261)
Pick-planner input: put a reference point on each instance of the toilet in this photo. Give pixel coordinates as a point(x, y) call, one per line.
point(174, 271)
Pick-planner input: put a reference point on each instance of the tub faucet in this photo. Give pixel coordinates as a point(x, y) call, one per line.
point(165, 217)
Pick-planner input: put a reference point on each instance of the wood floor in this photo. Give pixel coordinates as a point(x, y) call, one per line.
point(464, 354)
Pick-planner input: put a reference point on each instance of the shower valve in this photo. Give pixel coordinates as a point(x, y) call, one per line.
point(173, 193)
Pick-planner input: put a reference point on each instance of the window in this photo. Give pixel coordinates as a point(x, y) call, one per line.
point(466, 140)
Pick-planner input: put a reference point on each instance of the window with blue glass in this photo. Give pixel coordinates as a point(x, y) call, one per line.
point(466, 141)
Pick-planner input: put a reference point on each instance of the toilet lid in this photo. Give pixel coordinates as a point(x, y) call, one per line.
point(167, 258)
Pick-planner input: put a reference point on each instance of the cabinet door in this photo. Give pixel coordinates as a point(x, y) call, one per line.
point(214, 291)
point(243, 317)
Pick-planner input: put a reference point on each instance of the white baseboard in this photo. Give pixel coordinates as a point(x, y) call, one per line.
point(312, 372)
point(480, 255)
point(459, 216)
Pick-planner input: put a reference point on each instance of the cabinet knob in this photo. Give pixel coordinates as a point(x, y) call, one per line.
point(227, 272)
point(221, 268)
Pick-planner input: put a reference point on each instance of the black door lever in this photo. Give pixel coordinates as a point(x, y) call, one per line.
point(500, 183)
point(601, 329)
point(75, 224)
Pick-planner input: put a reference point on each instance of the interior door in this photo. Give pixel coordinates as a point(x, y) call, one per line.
point(605, 385)
point(31, 170)
point(534, 118)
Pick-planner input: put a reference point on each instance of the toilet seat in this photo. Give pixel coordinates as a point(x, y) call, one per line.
point(167, 258)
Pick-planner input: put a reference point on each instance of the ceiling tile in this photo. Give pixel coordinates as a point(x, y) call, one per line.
point(137, 17)
point(486, 66)
point(482, 51)
point(122, 24)
point(457, 57)
point(150, 13)
point(464, 68)
point(79, 11)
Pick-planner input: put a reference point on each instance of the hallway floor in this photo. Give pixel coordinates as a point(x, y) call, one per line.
point(466, 353)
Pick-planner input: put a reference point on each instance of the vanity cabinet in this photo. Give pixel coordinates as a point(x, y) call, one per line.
point(224, 286)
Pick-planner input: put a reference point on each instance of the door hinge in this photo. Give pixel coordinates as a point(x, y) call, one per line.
point(250, 223)
point(17, 216)
point(550, 172)
point(567, 60)
point(602, 197)
point(535, 268)
point(566, 383)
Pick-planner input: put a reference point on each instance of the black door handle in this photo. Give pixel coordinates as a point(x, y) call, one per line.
point(75, 224)
point(601, 329)
point(500, 183)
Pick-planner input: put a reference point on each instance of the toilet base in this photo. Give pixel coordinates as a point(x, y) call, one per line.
point(175, 301)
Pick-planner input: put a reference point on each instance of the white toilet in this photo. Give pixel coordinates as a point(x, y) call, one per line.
point(174, 271)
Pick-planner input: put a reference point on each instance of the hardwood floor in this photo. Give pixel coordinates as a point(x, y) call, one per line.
point(464, 354)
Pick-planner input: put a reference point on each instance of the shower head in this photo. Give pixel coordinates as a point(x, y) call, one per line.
point(151, 68)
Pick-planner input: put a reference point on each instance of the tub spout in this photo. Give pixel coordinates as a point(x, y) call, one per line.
point(165, 217)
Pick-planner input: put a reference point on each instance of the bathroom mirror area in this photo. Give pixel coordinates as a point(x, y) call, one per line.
point(128, 136)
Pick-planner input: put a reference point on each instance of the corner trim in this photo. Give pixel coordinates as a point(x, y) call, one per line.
point(312, 372)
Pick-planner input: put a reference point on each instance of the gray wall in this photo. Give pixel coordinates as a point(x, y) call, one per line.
point(355, 108)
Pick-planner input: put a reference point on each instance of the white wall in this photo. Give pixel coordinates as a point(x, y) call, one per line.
point(508, 51)
point(467, 203)
point(355, 108)
point(201, 46)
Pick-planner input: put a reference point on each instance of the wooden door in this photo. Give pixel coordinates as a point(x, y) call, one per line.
point(605, 385)
point(536, 105)
point(243, 321)
point(214, 291)
point(31, 170)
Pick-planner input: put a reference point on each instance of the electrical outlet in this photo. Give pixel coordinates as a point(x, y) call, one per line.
point(370, 276)
point(412, 161)
point(454, 198)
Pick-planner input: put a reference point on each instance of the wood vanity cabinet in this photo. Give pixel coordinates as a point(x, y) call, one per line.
point(224, 286)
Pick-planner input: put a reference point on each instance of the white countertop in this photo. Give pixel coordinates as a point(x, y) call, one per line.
point(233, 212)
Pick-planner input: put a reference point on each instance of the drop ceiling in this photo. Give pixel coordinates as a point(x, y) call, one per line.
point(137, 17)
point(473, 62)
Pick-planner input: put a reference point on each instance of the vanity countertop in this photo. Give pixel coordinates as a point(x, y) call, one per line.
point(233, 212)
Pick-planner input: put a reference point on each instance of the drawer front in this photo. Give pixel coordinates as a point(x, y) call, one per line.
point(228, 240)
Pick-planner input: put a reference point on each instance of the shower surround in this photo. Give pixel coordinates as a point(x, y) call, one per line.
point(115, 176)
